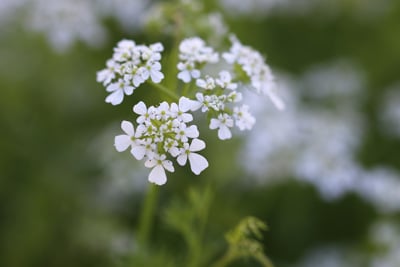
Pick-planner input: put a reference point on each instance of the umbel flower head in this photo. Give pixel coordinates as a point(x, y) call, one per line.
point(162, 134)
point(130, 66)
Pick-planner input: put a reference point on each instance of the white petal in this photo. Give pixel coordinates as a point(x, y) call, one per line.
point(128, 90)
point(214, 124)
point(115, 98)
point(195, 74)
point(140, 108)
point(150, 163)
point(184, 76)
point(156, 76)
point(192, 131)
point(138, 152)
point(122, 142)
point(157, 175)
point(182, 159)
point(224, 133)
point(198, 163)
point(186, 117)
point(112, 87)
point(186, 104)
point(197, 145)
point(128, 128)
point(168, 165)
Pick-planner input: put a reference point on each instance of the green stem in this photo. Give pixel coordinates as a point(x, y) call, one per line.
point(165, 90)
point(146, 219)
point(224, 261)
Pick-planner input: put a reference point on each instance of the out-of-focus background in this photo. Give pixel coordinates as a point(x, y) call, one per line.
point(324, 174)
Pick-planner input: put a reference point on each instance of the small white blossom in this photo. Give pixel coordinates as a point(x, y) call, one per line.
point(207, 84)
point(105, 76)
point(192, 52)
point(198, 163)
point(223, 123)
point(243, 118)
point(159, 165)
point(118, 90)
point(225, 81)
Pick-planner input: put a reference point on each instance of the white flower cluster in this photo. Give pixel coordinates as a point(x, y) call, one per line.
point(217, 96)
point(194, 53)
point(161, 132)
point(130, 66)
point(253, 65)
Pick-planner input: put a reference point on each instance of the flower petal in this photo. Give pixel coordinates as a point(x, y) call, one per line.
point(156, 76)
point(122, 142)
point(168, 165)
point(224, 133)
point(184, 76)
point(157, 175)
point(182, 159)
point(140, 108)
point(128, 128)
point(198, 163)
point(192, 131)
point(186, 104)
point(138, 152)
point(197, 145)
point(116, 97)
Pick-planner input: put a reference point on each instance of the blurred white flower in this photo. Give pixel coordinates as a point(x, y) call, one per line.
point(390, 111)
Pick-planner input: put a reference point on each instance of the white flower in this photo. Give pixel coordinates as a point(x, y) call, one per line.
point(223, 123)
point(192, 52)
point(130, 66)
point(117, 90)
point(184, 132)
point(105, 76)
point(207, 84)
point(198, 163)
point(122, 142)
point(145, 114)
point(154, 69)
point(187, 72)
point(159, 164)
point(253, 64)
point(243, 118)
point(225, 81)
point(186, 104)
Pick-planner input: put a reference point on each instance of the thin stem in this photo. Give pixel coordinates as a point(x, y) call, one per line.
point(146, 219)
point(165, 90)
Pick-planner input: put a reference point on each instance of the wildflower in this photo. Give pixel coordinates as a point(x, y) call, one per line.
point(159, 165)
point(243, 118)
point(225, 81)
point(223, 123)
point(118, 90)
point(256, 70)
point(131, 65)
point(197, 162)
point(192, 52)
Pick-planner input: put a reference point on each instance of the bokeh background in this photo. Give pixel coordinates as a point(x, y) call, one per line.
point(324, 174)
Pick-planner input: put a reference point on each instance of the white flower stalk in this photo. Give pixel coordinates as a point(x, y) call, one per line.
point(192, 53)
point(130, 66)
point(163, 132)
point(256, 70)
